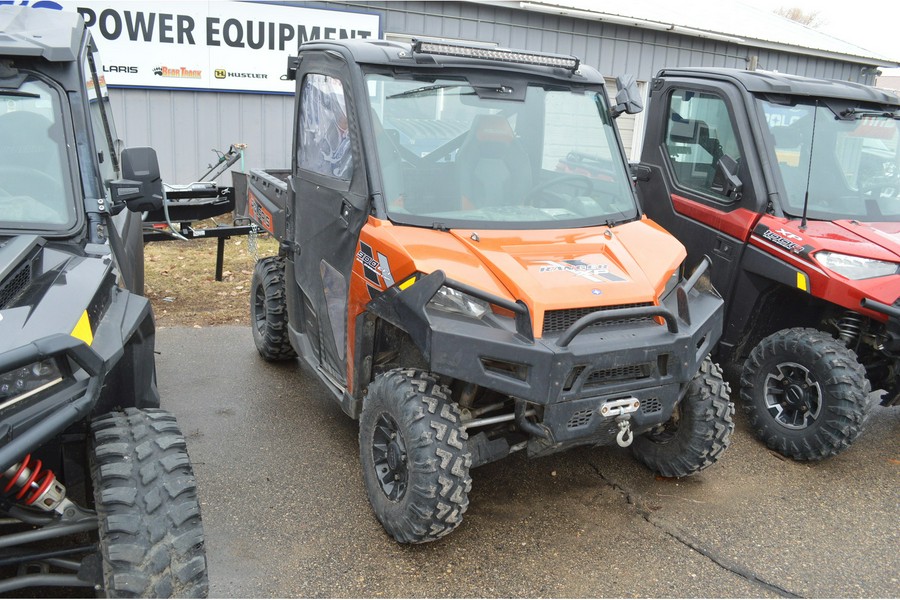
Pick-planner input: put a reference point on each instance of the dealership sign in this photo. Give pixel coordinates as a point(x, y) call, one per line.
point(213, 45)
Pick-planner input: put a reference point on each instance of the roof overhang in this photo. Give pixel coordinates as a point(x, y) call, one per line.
point(586, 11)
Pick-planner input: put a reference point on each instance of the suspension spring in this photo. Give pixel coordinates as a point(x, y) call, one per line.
point(46, 492)
point(850, 327)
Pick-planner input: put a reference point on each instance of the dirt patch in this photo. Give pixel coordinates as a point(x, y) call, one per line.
point(181, 284)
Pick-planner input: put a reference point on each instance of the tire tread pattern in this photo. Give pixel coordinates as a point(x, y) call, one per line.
point(439, 481)
point(151, 534)
point(273, 343)
point(705, 426)
point(845, 394)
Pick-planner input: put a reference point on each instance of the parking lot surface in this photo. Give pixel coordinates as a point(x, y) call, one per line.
point(286, 513)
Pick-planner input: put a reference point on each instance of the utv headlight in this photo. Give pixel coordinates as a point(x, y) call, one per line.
point(18, 384)
point(856, 267)
point(450, 300)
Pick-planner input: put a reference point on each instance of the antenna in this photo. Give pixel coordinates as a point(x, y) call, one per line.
point(812, 144)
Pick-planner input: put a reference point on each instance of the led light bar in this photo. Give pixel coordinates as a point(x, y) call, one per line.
point(500, 54)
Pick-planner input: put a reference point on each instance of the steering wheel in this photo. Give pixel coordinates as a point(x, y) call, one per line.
point(881, 186)
point(532, 197)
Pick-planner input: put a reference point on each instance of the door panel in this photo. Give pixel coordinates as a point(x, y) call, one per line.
point(330, 207)
point(693, 130)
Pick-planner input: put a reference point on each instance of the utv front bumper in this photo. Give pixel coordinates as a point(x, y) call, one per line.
point(890, 348)
point(566, 378)
point(30, 420)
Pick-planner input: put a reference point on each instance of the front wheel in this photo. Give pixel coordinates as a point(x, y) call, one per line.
point(415, 463)
point(151, 536)
point(805, 394)
point(698, 432)
point(268, 310)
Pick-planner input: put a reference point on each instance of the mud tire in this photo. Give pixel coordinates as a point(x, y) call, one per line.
point(842, 400)
point(150, 531)
point(268, 310)
point(698, 432)
point(437, 461)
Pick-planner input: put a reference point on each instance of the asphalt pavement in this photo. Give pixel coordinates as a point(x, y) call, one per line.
point(286, 514)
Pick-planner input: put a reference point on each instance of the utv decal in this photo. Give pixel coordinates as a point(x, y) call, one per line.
point(371, 268)
point(776, 237)
point(789, 235)
point(259, 213)
point(373, 292)
point(385, 270)
point(592, 272)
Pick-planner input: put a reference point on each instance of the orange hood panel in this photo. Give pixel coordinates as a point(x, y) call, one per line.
point(547, 269)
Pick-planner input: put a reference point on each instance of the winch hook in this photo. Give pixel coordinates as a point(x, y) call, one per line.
point(625, 435)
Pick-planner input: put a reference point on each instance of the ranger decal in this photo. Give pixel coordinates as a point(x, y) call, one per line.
point(579, 268)
point(785, 239)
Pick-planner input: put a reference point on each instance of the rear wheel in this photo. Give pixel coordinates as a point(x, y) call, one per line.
point(414, 458)
point(268, 310)
point(151, 535)
point(698, 432)
point(805, 394)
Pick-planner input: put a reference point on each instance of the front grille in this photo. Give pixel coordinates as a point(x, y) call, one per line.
point(650, 406)
point(580, 418)
point(623, 373)
point(556, 321)
point(14, 285)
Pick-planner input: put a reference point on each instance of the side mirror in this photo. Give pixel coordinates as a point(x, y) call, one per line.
point(628, 97)
point(726, 180)
point(141, 186)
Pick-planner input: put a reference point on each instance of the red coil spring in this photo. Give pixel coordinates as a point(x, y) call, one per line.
point(32, 473)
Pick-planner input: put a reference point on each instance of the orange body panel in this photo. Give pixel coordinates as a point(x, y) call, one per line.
point(546, 269)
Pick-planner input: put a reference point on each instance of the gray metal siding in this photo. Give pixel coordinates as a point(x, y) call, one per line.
point(184, 126)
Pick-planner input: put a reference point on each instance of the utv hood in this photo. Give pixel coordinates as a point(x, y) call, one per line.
point(886, 236)
point(879, 241)
point(549, 269)
point(577, 267)
point(46, 289)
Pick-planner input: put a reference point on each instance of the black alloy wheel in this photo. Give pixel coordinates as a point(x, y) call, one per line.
point(391, 459)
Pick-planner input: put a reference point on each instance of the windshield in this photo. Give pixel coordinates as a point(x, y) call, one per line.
point(35, 185)
point(847, 157)
point(511, 155)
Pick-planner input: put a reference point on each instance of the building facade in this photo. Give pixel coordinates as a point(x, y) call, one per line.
point(184, 126)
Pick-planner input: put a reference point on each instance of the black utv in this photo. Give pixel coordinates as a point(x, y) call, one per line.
point(96, 487)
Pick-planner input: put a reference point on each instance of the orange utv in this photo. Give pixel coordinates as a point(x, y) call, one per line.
point(464, 265)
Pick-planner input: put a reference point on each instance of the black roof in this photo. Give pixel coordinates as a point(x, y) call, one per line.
point(51, 34)
point(399, 54)
point(768, 82)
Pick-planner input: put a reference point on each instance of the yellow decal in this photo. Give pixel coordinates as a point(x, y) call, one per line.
point(82, 330)
point(802, 281)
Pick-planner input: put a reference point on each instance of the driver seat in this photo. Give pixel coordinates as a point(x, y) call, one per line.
point(494, 169)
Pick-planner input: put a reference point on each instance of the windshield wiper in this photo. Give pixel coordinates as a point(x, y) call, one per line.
point(18, 94)
point(854, 113)
point(421, 91)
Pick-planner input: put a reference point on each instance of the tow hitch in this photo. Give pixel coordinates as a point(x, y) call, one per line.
point(620, 409)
